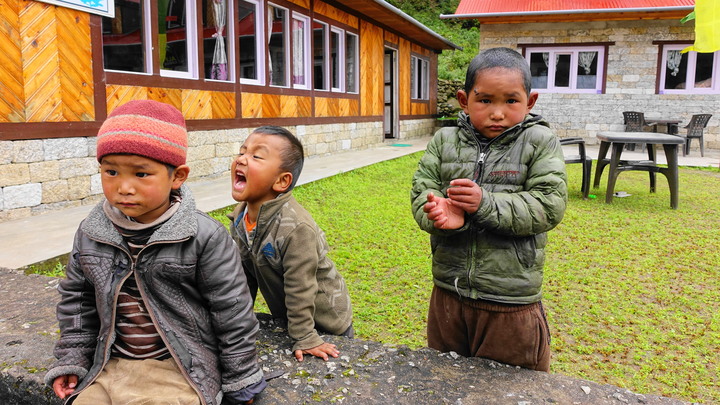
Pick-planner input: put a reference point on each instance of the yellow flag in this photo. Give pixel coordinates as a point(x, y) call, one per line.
point(707, 27)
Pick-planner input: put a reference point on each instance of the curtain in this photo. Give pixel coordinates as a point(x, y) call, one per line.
point(219, 62)
point(585, 60)
point(271, 12)
point(298, 51)
point(673, 62)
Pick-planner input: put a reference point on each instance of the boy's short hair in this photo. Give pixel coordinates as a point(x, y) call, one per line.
point(497, 57)
point(293, 156)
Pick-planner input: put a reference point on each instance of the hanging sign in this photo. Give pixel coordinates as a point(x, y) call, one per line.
point(104, 8)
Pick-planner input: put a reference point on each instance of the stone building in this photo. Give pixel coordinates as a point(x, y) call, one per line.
point(594, 59)
point(341, 74)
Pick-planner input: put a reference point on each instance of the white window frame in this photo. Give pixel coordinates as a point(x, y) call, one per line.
point(230, 42)
point(287, 45)
point(147, 41)
point(357, 62)
point(341, 60)
point(260, 44)
point(306, 58)
point(326, 57)
point(192, 41)
point(690, 72)
point(423, 76)
point(574, 52)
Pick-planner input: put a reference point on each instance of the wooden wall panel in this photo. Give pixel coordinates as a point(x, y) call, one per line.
point(404, 79)
point(75, 64)
point(420, 109)
point(173, 97)
point(321, 107)
point(270, 106)
point(196, 104)
point(40, 54)
point(301, 3)
point(329, 11)
point(11, 79)
point(251, 105)
point(295, 106)
point(223, 105)
point(371, 69)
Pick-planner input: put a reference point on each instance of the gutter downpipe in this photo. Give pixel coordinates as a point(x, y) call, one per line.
point(579, 11)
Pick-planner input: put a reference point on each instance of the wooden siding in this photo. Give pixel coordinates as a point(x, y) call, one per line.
point(334, 13)
point(12, 99)
point(371, 69)
point(404, 79)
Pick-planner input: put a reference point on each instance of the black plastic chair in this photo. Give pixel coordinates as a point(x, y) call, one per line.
point(581, 157)
point(695, 129)
point(634, 122)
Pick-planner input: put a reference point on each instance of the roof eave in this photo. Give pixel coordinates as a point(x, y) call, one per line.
point(568, 12)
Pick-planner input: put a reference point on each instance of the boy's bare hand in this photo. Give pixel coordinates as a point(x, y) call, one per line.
point(64, 385)
point(443, 212)
point(321, 351)
point(465, 194)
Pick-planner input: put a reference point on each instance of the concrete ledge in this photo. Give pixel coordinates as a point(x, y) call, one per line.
point(366, 372)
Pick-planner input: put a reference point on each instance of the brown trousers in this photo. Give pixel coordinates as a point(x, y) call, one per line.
point(139, 382)
point(510, 334)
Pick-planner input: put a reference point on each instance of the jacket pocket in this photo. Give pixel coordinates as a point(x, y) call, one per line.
point(525, 248)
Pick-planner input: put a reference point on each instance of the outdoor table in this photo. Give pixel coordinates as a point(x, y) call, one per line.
point(670, 124)
point(618, 140)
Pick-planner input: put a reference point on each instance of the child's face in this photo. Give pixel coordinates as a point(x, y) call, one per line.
point(139, 187)
point(256, 171)
point(497, 101)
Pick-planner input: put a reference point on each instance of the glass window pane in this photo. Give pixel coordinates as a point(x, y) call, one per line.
point(539, 69)
point(298, 30)
point(562, 70)
point(675, 69)
point(319, 49)
point(172, 36)
point(124, 38)
point(351, 43)
point(413, 78)
point(587, 70)
point(277, 17)
point(247, 18)
point(704, 69)
point(214, 39)
point(334, 59)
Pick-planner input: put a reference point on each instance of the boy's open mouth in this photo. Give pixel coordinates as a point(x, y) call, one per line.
point(240, 181)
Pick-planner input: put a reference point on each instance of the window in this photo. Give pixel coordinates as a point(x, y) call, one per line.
point(216, 32)
point(250, 34)
point(688, 73)
point(126, 42)
point(177, 38)
point(576, 69)
point(351, 62)
point(301, 51)
point(277, 45)
point(320, 55)
point(337, 51)
point(419, 78)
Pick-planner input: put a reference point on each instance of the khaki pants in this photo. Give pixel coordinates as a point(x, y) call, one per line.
point(510, 334)
point(139, 382)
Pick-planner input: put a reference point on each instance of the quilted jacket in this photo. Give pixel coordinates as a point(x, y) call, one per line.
point(192, 283)
point(499, 253)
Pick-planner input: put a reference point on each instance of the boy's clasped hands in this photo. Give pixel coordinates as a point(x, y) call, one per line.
point(464, 196)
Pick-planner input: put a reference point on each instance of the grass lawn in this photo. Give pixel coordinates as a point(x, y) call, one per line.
point(631, 288)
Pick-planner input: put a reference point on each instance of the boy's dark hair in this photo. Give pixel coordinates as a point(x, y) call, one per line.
point(497, 57)
point(293, 156)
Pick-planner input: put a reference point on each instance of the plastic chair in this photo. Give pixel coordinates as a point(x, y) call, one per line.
point(634, 122)
point(695, 129)
point(581, 157)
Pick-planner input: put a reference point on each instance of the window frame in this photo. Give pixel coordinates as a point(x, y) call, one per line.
point(259, 51)
point(286, 45)
point(307, 47)
point(326, 56)
point(340, 57)
point(147, 43)
point(191, 39)
point(229, 43)
point(690, 71)
point(423, 76)
point(574, 51)
point(356, 61)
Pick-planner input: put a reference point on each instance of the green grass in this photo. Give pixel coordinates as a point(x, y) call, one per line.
point(631, 288)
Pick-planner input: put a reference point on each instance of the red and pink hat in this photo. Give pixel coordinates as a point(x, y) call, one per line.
point(147, 128)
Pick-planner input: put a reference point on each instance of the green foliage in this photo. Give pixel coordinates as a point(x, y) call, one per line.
point(452, 64)
point(631, 288)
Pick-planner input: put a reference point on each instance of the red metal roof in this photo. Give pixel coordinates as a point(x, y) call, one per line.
point(539, 6)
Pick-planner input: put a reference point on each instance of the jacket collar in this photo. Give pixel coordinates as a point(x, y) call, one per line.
point(267, 211)
point(180, 226)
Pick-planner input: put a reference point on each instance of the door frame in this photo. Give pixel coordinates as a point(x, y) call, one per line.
point(391, 110)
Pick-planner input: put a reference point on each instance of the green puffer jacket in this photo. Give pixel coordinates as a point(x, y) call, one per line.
point(499, 253)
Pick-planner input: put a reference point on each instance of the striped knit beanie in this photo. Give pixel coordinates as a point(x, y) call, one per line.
point(147, 128)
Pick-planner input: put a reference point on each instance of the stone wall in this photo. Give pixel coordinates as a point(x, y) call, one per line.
point(631, 75)
point(43, 175)
point(365, 373)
